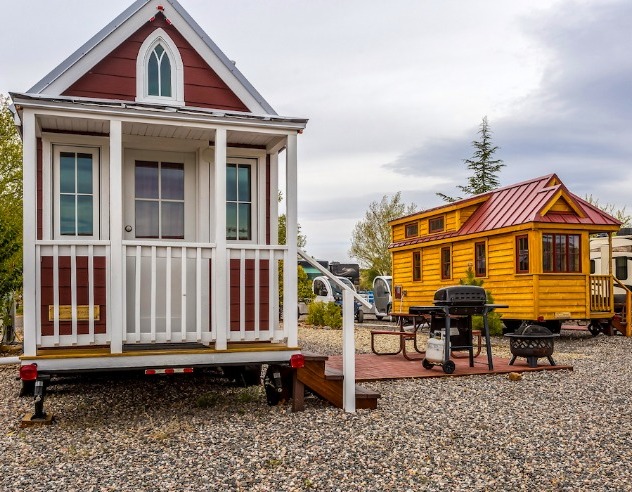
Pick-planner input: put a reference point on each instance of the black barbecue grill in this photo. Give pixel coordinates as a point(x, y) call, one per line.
point(453, 307)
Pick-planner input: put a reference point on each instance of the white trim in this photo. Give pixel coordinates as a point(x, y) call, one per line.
point(176, 360)
point(290, 267)
point(159, 36)
point(204, 118)
point(29, 184)
point(118, 318)
point(220, 308)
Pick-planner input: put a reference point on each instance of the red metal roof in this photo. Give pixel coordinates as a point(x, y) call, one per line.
point(521, 203)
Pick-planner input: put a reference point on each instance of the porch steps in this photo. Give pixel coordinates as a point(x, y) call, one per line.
point(327, 383)
point(619, 324)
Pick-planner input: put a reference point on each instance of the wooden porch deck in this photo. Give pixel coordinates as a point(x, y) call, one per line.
point(371, 367)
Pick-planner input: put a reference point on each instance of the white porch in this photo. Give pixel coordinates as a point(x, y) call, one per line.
point(117, 290)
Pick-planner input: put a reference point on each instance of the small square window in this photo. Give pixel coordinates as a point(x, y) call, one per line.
point(412, 229)
point(436, 224)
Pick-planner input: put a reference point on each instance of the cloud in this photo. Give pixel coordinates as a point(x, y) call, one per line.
point(576, 123)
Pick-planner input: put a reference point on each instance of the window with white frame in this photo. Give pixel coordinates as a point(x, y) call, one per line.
point(241, 200)
point(159, 70)
point(76, 192)
point(159, 200)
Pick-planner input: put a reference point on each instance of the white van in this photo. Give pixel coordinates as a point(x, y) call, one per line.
point(327, 291)
point(382, 295)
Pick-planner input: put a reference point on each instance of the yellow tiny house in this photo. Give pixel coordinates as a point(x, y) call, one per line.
point(528, 242)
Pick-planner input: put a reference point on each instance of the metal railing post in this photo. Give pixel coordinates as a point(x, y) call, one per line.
point(348, 352)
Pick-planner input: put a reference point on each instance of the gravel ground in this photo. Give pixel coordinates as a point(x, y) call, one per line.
point(550, 431)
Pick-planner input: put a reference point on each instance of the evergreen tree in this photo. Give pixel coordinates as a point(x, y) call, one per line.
point(484, 167)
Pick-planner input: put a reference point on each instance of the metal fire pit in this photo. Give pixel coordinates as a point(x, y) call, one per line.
point(532, 342)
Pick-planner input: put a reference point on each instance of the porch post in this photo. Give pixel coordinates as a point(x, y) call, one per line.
point(29, 183)
point(117, 320)
point(290, 294)
point(274, 240)
point(220, 267)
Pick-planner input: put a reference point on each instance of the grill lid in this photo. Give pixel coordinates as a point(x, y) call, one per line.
point(534, 331)
point(460, 295)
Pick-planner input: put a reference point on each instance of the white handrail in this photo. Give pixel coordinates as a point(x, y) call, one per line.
point(348, 339)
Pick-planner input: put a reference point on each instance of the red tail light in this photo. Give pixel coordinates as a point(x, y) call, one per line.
point(540, 319)
point(28, 372)
point(297, 361)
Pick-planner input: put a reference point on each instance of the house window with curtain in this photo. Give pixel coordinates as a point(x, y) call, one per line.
point(480, 259)
point(446, 263)
point(561, 253)
point(416, 266)
point(522, 254)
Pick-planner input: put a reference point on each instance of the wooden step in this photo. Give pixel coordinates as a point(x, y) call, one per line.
point(327, 383)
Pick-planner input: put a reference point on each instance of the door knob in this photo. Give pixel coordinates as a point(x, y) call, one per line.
point(128, 228)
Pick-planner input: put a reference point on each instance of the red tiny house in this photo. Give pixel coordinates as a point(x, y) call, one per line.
point(134, 244)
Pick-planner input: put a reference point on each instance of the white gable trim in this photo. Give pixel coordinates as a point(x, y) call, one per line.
point(177, 69)
point(126, 24)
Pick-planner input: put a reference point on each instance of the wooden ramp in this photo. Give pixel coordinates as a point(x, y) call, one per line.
point(371, 367)
point(326, 382)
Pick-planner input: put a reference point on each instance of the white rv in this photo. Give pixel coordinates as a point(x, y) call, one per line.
point(621, 260)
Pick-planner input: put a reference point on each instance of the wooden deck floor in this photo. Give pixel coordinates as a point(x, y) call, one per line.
point(371, 367)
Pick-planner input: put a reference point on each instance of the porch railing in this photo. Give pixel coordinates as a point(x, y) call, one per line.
point(601, 300)
point(166, 291)
point(169, 293)
point(72, 289)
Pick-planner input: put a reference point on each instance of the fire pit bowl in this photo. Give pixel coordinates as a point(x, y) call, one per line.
point(532, 342)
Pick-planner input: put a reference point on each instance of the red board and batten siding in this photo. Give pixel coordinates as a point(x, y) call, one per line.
point(235, 301)
point(65, 292)
point(115, 76)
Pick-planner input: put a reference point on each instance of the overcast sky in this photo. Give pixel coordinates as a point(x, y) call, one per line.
point(395, 90)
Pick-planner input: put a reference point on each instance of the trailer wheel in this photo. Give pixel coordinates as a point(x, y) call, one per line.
point(449, 367)
point(594, 328)
point(379, 318)
point(426, 364)
point(360, 316)
point(248, 375)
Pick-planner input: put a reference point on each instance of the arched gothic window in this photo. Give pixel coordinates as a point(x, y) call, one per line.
point(159, 70)
point(159, 73)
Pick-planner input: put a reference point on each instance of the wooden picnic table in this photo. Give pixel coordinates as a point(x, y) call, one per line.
point(417, 321)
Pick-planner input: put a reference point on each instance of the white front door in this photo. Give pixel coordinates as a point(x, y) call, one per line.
point(160, 219)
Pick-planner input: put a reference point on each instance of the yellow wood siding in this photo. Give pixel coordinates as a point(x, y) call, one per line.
point(528, 295)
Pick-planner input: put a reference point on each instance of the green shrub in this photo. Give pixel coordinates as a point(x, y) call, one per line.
point(493, 321)
point(325, 314)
